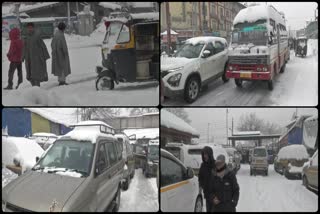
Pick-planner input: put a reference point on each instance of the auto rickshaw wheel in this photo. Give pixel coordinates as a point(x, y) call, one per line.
point(238, 82)
point(104, 82)
point(270, 85)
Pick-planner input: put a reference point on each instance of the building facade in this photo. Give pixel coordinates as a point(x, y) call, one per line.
point(191, 19)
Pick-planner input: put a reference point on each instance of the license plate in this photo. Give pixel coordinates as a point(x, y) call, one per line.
point(245, 75)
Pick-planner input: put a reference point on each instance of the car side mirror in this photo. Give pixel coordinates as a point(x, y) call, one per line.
point(37, 159)
point(190, 173)
point(206, 53)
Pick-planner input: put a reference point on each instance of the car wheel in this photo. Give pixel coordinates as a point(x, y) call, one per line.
point(270, 85)
point(283, 68)
point(305, 181)
point(104, 83)
point(126, 184)
point(224, 75)
point(192, 89)
point(132, 174)
point(117, 201)
point(266, 172)
point(198, 205)
point(238, 82)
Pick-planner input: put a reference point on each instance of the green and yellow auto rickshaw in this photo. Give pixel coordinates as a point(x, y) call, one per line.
point(130, 50)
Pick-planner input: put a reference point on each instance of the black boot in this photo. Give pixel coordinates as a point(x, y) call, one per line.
point(9, 87)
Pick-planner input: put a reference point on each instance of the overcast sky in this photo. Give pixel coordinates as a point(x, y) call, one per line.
point(200, 118)
point(296, 13)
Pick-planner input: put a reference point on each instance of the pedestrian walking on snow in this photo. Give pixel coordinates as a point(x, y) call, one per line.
point(60, 55)
point(15, 57)
point(205, 172)
point(224, 188)
point(35, 55)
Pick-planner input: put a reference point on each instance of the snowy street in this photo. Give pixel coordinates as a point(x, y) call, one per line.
point(297, 86)
point(273, 193)
point(142, 195)
point(85, 55)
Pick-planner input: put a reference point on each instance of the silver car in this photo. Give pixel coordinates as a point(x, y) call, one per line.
point(259, 161)
point(73, 175)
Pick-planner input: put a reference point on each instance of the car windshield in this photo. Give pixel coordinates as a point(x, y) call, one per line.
point(68, 155)
point(194, 151)
point(153, 152)
point(246, 33)
point(112, 32)
point(189, 50)
point(259, 153)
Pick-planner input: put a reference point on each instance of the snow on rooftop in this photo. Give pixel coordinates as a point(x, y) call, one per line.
point(110, 5)
point(44, 134)
point(170, 120)
point(24, 8)
point(246, 133)
point(63, 116)
point(143, 133)
point(86, 133)
point(91, 122)
point(298, 152)
point(258, 12)
point(205, 40)
point(46, 19)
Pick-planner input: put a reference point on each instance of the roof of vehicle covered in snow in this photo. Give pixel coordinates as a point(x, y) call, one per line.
point(298, 152)
point(44, 134)
point(258, 12)
point(127, 17)
point(205, 40)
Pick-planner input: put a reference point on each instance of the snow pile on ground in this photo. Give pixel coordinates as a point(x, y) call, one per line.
point(23, 149)
point(7, 176)
point(298, 152)
point(143, 133)
point(312, 48)
point(170, 120)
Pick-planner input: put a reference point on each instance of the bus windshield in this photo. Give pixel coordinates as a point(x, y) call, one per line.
point(255, 33)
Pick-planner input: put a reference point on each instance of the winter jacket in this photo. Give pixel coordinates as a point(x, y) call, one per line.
point(60, 55)
point(226, 189)
point(16, 46)
point(206, 170)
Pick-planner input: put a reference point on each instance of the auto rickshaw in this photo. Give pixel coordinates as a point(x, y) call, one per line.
point(130, 50)
point(301, 46)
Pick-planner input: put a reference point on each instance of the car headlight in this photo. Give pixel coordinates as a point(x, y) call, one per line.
point(230, 68)
point(150, 163)
point(175, 79)
point(176, 69)
point(258, 69)
point(264, 69)
point(3, 206)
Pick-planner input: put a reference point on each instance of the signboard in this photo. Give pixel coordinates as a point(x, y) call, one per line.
point(8, 24)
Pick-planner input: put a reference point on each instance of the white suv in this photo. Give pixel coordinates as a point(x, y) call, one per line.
point(199, 61)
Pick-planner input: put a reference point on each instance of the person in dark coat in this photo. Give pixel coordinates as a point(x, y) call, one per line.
point(206, 169)
point(224, 188)
point(60, 55)
point(15, 57)
point(35, 54)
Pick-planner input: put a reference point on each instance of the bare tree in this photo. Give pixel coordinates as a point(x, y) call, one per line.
point(104, 114)
point(140, 111)
point(181, 113)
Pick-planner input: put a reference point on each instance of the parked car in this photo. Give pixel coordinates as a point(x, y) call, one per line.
point(81, 171)
point(310, 173)
point(259, 160)
point(291, 159)
point(190, 155)
point(198, 62)
point(234, 158)
point(19, 153)
point(179, 189)
point(152, 159)
point(127, 155)
point(44, 139)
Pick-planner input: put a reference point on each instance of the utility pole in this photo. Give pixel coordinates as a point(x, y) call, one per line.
point(227, 123)
point(168, 27)
point(69, 22)
point(200, 28)
point(208, 132)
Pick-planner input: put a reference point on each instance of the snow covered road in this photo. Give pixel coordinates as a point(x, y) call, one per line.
point(273, 193)
point(142, 195)
point(297, 86)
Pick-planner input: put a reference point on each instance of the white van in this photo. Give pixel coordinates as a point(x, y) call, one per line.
point(179, 189)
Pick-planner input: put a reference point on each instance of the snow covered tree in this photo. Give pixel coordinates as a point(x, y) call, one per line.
point(181, 113)
point(140, 111)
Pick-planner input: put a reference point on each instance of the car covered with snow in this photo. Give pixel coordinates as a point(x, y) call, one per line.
point(197, 63)
point(179, 189)
point(44, 139)
point(310, 173)
point(81, 171)
point(190, 155)
point(259, 160)
point(19, 153)
point(290, 160)
point(127, 154)
point(234, 158)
